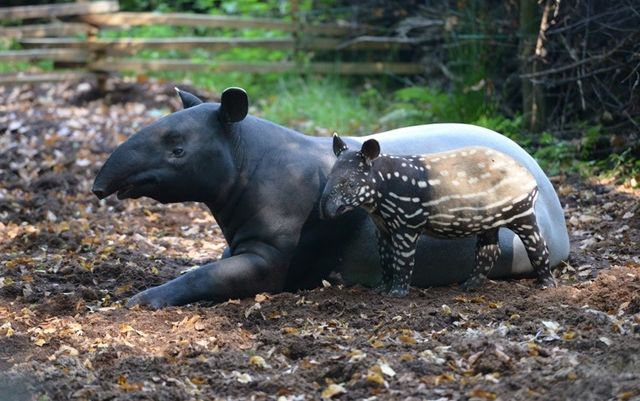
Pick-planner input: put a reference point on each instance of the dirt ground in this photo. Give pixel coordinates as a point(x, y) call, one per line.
point(68, 262)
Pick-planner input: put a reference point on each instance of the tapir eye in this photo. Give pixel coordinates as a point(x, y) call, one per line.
point(178, 152)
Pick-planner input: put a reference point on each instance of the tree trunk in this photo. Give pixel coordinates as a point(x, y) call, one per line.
point(532, 29)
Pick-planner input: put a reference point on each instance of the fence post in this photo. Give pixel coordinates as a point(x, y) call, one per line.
point(296, 32)
point(95, 54)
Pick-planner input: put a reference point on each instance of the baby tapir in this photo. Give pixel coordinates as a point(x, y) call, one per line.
point(459, 193)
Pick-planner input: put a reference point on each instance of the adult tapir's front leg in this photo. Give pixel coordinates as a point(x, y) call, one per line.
point(237, 276)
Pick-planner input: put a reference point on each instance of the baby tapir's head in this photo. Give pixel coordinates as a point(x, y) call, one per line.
point(350, 183)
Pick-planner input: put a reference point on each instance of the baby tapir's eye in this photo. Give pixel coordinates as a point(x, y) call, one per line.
point(178, 152)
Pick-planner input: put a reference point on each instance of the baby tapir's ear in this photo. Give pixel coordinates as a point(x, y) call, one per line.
point(370, 150)
point(338, 145)
point(234, 105)
point(188, 99)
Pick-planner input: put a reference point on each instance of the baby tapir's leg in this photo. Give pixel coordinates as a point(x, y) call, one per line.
point(487, 253)
point(404, 251)
point(385, 249)
point(527, 229)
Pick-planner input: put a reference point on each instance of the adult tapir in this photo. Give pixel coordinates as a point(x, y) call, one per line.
point(263, 183)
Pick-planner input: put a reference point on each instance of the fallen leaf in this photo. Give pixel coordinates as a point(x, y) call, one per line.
point(487, 395)
point(128, 387)
point(375, 377)
point(386, 369)
point(333, 390)
point(261, 297)
point(290, 330)
point(257, 361)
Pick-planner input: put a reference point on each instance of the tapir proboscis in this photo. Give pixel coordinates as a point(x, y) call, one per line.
point(263, 183)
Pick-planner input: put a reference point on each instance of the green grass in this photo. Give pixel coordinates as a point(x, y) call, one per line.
point(318, 105)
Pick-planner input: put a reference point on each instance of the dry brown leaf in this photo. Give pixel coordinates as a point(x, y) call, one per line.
point(333, 390)
point(487, 395)
point(290, 330)
point(128, 387)
point(261, 297)
point(374, 376)
point(257, 361)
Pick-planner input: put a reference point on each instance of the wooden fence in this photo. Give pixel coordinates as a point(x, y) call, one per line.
point(74, 40)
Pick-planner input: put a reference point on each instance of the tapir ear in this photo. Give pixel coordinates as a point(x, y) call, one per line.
point(188, 99)
point(370, 150)
point(338, 144)
point(234, 105)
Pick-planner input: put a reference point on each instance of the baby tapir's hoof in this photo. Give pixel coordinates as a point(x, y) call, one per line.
point(381, 288)
point(473, 283)
point(546, 282)
point(398, 292)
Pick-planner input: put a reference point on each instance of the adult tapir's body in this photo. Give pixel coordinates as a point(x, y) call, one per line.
point(263, 183)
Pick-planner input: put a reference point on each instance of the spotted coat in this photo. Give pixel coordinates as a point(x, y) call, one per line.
point(454, 194)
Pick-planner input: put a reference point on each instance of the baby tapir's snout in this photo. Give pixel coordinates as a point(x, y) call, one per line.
point(331, 206)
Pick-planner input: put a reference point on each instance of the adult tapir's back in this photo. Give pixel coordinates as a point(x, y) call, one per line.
point(451, 260)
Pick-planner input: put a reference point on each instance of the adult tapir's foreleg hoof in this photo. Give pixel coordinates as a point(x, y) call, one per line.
point(173, 293)
point(151, 298)
point(487, 253)
point(527, 229)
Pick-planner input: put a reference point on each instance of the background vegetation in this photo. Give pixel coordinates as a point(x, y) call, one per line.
point(472, 53)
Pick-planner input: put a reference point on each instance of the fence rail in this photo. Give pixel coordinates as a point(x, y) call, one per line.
point(134, 45)
point(76, 42)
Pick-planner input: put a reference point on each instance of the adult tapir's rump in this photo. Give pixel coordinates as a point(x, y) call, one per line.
point(445, 259)
point(263, 182)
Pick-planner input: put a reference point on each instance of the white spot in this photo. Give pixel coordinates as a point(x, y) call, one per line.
point(482, 165)
point(405, 178)
point(431, 182)
point(396, 174)
point(455, 182)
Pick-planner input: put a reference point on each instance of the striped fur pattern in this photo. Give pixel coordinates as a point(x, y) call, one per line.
point(454, 194)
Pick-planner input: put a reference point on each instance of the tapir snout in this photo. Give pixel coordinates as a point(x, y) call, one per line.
point(128, 171)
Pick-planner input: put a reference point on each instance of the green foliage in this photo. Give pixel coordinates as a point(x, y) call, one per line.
point(624, 167)
point(318, 105)
point(555, 156)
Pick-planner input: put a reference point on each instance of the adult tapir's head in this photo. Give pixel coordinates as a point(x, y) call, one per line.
point(350, 184)
point(185, 156)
